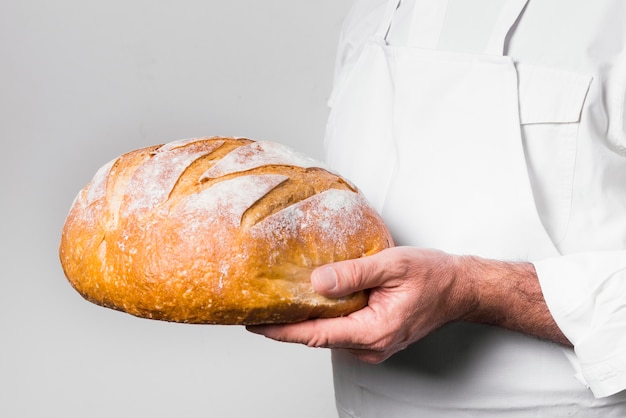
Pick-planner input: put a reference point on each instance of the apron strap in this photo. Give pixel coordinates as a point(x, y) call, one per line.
point(511, 11)
point(385, 24)
point(431, 15)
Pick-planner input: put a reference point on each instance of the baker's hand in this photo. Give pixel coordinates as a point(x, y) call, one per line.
point(412, 292)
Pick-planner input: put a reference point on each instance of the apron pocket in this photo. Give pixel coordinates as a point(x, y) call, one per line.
point(550, 105)
point(616, 98)
point(550, 96)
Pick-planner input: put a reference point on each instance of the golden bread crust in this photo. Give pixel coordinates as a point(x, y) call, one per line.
point(218, 231)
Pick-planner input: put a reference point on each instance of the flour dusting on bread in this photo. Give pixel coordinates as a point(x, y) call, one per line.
point(218, 231)
point(258, 154)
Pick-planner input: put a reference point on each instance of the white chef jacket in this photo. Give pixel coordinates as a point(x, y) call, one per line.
point(571, 61)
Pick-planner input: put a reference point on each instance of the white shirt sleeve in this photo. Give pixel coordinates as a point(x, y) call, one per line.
point(585, 288)
point(586, 294)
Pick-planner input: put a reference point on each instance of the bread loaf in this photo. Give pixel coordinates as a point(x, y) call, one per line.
point(216, 230)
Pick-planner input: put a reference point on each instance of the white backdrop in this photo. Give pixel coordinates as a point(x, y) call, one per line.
point(83, 81)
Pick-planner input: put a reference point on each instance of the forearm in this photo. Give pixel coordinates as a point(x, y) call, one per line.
point(509, 295)
point(413, 291)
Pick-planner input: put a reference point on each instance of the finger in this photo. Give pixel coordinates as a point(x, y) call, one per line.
point(346, 277)
point(370, 356)
point(287, 333)
point(344, 332)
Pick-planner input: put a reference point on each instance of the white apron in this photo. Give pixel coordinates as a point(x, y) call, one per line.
point(432, 138)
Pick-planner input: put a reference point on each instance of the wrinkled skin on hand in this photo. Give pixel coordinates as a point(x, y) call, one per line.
point(414, 291)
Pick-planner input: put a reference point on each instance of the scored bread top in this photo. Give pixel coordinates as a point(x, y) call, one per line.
point(216, 230)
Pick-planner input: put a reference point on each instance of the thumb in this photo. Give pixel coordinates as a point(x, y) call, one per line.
point(347, 277)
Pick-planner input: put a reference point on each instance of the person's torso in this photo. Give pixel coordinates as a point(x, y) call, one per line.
point(445, 129)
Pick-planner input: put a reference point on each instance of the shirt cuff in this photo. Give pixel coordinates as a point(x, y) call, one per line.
point(586, 295)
